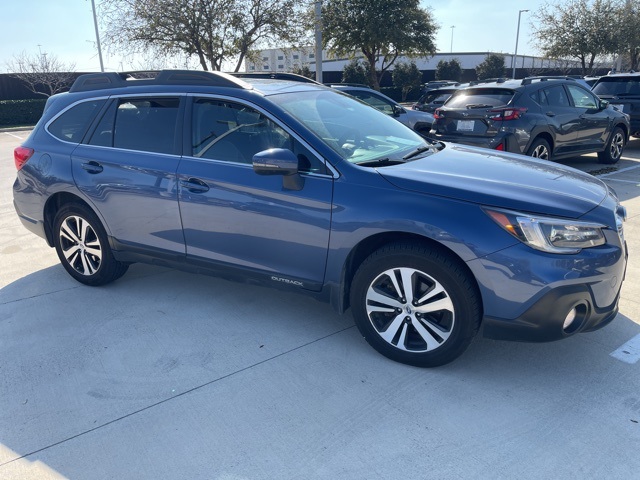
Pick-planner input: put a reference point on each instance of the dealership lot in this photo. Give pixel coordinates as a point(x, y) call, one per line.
point(165, 374)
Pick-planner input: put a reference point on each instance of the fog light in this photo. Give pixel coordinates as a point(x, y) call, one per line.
point(571, 316)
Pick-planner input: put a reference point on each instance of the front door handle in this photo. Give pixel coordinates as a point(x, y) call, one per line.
point(550, 114)
point(194, 185)
point(92, 167)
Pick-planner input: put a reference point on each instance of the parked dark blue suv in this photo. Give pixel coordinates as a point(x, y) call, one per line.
point(301, 187)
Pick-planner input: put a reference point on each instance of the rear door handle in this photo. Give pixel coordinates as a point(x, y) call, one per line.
point(93, 167)
point(550, 114)
point(194, 185)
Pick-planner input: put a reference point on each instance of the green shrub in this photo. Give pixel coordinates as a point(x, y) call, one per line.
point(14, 113)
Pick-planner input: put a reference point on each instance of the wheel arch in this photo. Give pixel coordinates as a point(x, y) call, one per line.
point(545, 136)
point(370, 244)
point(53, 205)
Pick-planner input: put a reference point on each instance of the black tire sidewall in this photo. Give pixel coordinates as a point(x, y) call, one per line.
point(605, 156)
point(459, 287)
point(536, 143)
point(109, 268)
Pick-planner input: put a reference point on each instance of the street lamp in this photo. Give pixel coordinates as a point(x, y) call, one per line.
point(452, 27)
point(95, 24)
point(513, 59)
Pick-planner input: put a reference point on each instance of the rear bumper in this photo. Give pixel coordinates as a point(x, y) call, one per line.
point(508, 141)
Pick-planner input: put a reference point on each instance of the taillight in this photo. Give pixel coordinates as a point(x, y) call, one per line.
point(505, 114)
point(438, 114)
point(21, 155)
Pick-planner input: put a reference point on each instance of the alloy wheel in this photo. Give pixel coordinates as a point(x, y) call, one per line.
point(410, 310)
point(80, 245)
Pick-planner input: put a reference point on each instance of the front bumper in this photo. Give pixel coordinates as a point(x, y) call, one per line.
point(543, 322)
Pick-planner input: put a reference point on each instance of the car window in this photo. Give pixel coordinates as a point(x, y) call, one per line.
point(73, 124)
point(617, 86)
point(554, 96)
point(233, 132)
point(480, 97)
point(581, 98)
point(146, 124)
point(373, 100)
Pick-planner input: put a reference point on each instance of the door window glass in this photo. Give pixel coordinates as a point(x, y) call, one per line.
point(581, 98)
point(146, 124)
point(232, 132)
point(554, 96)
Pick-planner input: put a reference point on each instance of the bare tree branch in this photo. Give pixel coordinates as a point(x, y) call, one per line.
point(42, 73)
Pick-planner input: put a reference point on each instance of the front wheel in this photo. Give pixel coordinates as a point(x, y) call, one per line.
point(415, 305)
point(83, 247)
point(614, 148)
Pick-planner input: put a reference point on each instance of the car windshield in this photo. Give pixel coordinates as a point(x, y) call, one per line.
point(480, 98)
point(357, 132)
point(617, 86)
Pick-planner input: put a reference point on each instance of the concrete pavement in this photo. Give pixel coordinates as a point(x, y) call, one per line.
point(164, 374)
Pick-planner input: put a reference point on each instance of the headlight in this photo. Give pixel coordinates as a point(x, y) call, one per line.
point(553, 235)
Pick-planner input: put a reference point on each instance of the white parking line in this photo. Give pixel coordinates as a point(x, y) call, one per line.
point(629, 352)
point(619, 171)
point(15, 136)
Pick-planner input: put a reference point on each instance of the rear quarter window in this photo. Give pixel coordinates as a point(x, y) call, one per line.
point(72, 124)
point(486, 97)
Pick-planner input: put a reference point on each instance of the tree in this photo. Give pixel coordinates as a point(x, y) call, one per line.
point(406, 76)
point(304, 70)
point(355, 72)
point(449, 70)
point(629, 31)
point(491, 67)
point(214, 31)
point(381, 30)
point(580, 29)
point(42, 73)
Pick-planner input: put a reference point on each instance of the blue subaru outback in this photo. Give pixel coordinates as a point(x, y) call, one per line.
point(298, 186)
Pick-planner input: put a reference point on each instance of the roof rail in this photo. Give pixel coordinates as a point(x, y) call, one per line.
point(530, 80)
point(105, 80)
point(347, 84)
point(274, 75)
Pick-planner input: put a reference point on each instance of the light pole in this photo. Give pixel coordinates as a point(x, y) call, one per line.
point(95, 24)
point(513, 60)
point(318, 32)
point(452, 27)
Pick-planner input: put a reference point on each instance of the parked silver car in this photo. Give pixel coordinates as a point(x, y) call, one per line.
point(419, 121)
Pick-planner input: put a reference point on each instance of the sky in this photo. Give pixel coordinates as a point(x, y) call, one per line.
point(65, 29)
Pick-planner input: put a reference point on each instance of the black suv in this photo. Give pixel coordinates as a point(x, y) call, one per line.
point(543, 117)
point(622, 90)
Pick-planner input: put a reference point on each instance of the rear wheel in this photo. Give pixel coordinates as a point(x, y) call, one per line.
point(613, 151)
point(83, 247)
point(415, 305)
point(540, 149)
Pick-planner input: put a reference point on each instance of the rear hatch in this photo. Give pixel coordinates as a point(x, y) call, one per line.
point(474, 112)
point(622, 93)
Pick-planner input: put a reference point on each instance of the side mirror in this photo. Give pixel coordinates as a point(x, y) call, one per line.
point(398, 110)
point(603, 104)
point(279, 161)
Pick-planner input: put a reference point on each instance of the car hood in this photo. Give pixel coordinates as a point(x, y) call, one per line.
point(499, 179)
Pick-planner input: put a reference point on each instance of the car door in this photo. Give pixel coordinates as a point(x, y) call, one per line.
point(561, 117)
point(127, 169)
point(233, 216)
point(594, 121)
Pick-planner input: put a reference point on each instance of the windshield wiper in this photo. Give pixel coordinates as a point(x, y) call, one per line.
point(380, 162)
point(433, 147)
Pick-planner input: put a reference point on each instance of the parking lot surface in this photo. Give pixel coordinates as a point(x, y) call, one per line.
point(165, 374)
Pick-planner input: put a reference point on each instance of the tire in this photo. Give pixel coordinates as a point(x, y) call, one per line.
point(432, 325)
point(83, 248)
point(615, 146)
point(540, 148)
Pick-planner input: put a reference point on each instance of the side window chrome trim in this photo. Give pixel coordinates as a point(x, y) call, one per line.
point(333, 173)
point(63, 111)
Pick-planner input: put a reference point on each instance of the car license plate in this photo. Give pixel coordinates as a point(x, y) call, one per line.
point(465, 125)
point(618, 107)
